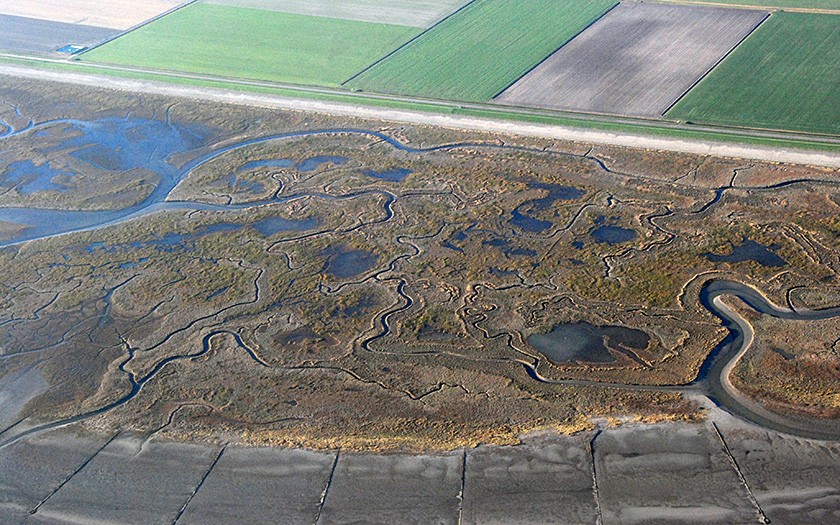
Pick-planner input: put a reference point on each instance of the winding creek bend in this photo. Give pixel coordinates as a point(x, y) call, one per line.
point(713, 379)
point(43, 223)
point(136, 384)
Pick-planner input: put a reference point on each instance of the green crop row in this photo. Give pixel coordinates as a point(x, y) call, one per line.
point(786, 75)
point(482, 49)
point(254, 44)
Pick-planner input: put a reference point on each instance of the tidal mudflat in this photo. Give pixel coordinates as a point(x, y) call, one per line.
point(723, 470)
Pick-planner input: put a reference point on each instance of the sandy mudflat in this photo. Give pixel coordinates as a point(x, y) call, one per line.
point(794, 480)
point(392, 489)
point(545, 481)
point(667, 473)
point(16, 389)
point(266, 485)
point(130, 481)
point(33, 468)
point(675, 474)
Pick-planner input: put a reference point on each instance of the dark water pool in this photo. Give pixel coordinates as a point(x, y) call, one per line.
point(585, 342)
point(750, 250)
point(266, 163)
point(391, 175)
point(523, 216)
point(274, 225)
point(313, 163)
point(343, 263)
point(169, 242)
point(28, 178)
point(235, 183)
point(608, 234)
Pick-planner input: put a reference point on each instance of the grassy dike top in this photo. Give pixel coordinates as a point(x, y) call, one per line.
point(255, 44)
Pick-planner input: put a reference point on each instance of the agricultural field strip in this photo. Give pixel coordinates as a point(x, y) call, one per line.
point(637, 60)
point(31, 35)
point(811, 6)
point(112, 14)
point(786, 75)
point(464, 58)
point(284, 47)
point(419, 13)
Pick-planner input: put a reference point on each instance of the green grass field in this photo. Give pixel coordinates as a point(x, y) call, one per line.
point(482, 49)
point(254, 44)
point(786, 75)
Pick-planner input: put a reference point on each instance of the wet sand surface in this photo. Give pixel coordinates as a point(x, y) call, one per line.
point(390, 489)
point(130, 481)
point(679, 476)
point(33, 468)
point(720, 471)
point(794, 480)
point(263, 484)
point(548, 480)
point(16, 389)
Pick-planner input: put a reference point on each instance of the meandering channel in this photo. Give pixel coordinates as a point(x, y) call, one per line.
point(713, 379)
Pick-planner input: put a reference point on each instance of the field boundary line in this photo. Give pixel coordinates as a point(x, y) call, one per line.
point(716, 64)
point(392, 53)
point(564, 44)
point(133, 28)
point(755, 7)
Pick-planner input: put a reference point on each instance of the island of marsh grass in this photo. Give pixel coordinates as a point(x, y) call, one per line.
point(255, 44)
point(786, 75)
point(479, 51)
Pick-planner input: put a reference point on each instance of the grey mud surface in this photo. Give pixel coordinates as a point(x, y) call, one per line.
point(722, 471)
point(415, 13)
point(637, 60)
point(16, 389)
point(30, 35)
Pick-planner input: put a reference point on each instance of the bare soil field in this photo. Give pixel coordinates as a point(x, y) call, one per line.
point(113, 14)
point(415, 13)
point(29, 35)
point(637, 60)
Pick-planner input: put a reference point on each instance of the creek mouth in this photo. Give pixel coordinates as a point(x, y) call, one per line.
point(572, 342)
point(713, 378)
